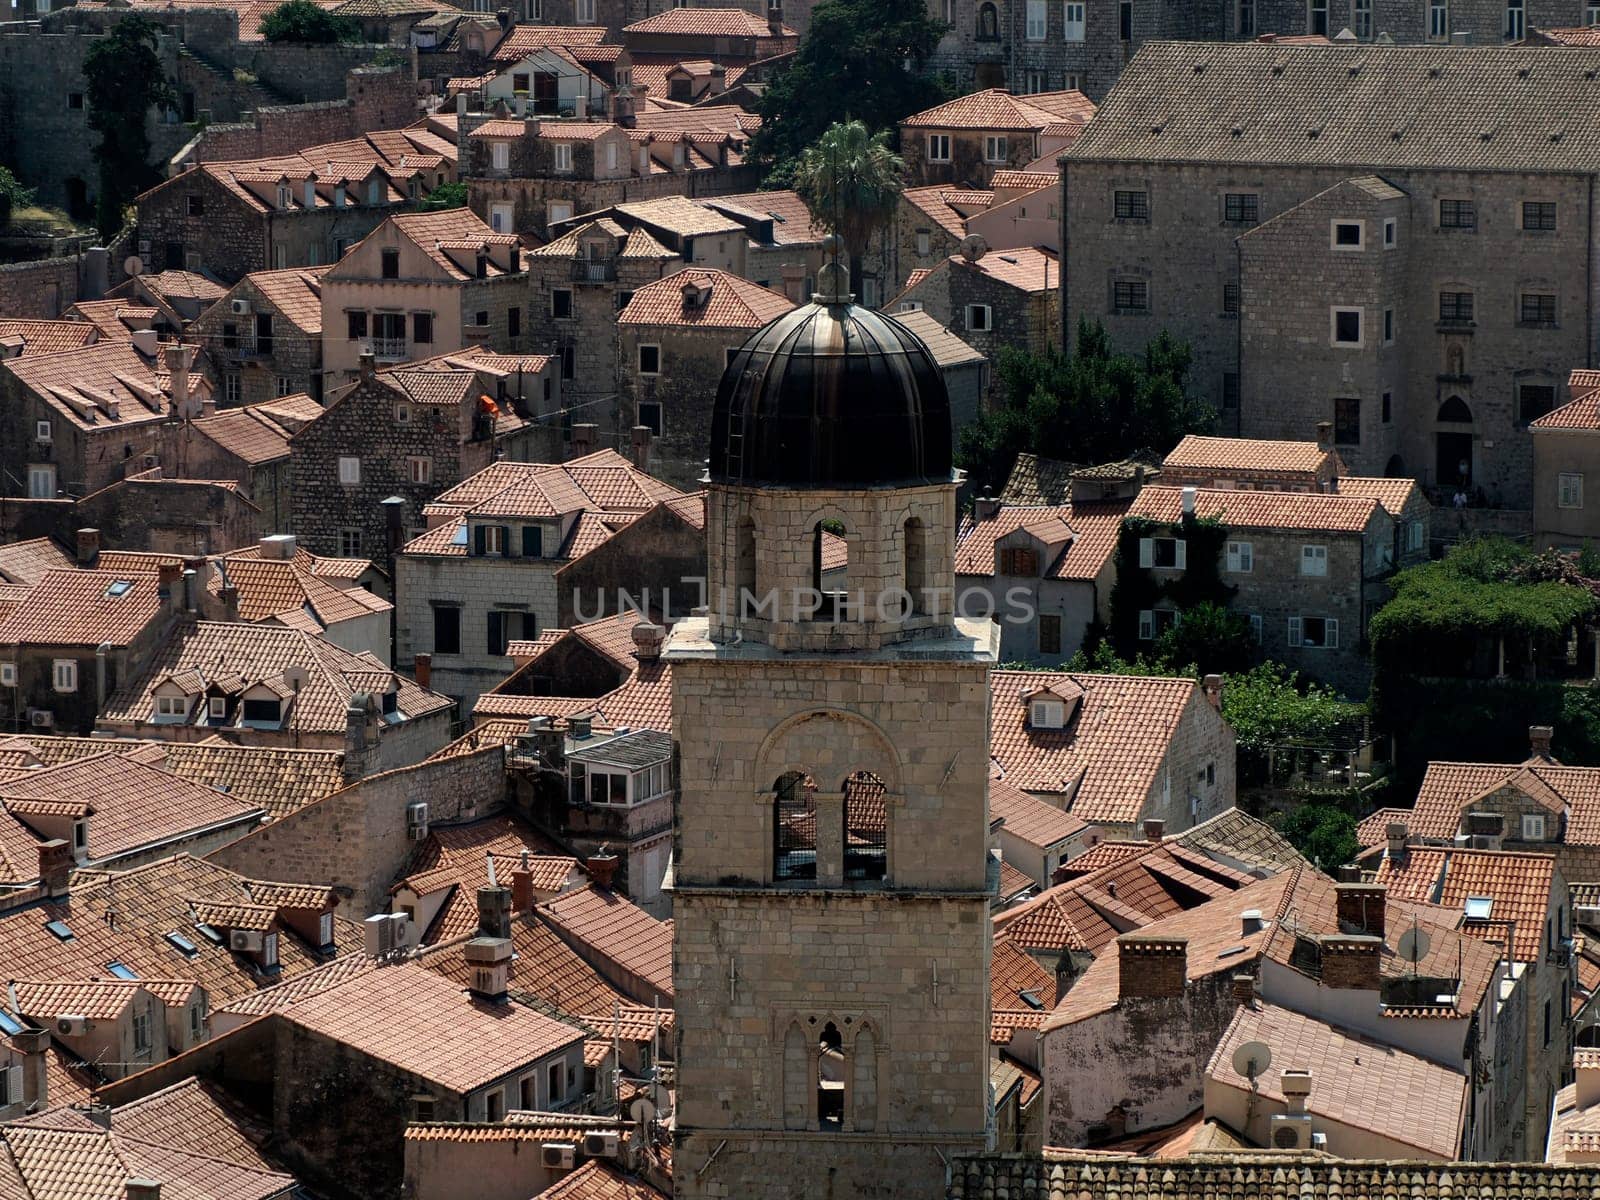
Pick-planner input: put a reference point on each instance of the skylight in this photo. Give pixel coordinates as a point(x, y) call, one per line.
point(59, 929)
point(1478, 907)
point(120, 970)
point(9, 1025)
point(182, 944)
point(207, 932)
point(459, 538)
point(120, 588)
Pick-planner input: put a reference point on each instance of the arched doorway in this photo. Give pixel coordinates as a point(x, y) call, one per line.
point(988, 23)
point(1453, 447)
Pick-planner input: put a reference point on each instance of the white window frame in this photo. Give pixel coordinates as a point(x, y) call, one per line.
point(1533, 827)
point(1257, 630)
point(1334, 312)
point(64, 675)
point(1147, 625)
point(1388, 327)
point(562, 152)
point(924, 243)
point(419, 469)
point(583, 12)
point(217, 708)
point(500, 156)
point(1569, 489)
point(1438, 20)
point(1180, 554)
point(1240, 557)
point(402, 413)
point(493, 541)
point(938, 147)
point(172, 708)
point(325, 929)
point(1333, 234)
point(1413, 535)
point(8, 674)
point(41, 431)
point(1314, 561)
point(560, 210)
point(502, 217)
point(1073, 14)
point(996, 147)
point(42, 481)
point(1361, 18)
point(980, 318)
point(1330, 633)
point(1036, 23)
point(1516, 27)
point(1046, 714)
point(350, 470)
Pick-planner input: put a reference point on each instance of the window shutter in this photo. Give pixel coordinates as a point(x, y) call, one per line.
point(1182, 559)
point(1233, 556)
point(1331, 641)
point(1147, 552)
point(480, 539)
point(532, 541)
point(1147, 625)
point(1295, 638)
point(505, 541)
point(14, 1085)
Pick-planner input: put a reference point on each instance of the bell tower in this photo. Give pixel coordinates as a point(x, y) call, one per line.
point(831, 880)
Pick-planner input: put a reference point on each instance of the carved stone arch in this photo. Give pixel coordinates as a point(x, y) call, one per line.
point(815, 736)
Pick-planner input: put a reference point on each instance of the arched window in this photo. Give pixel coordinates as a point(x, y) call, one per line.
point(916, 552)
point(830, 1078)
point(988, 23)
point(744, 570)
point(1455, 410)
point(830, 570)
point(864, 1062)
point(866, 827)
point(794, 827)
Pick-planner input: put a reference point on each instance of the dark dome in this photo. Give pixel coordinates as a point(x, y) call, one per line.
point(832, 395)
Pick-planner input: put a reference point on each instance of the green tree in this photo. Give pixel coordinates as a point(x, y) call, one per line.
point(1270, 704)
point(1323, 832)
point(860, 58)
point(1210, 639)
point(850, 180)
point(446, 195)
point(125, 81)
point(1092, 406)
point(303, 21)
point(12, 195)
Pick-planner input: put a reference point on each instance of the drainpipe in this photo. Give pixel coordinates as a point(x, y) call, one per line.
point(100, 653)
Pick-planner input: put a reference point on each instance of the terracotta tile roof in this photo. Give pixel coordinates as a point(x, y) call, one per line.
point(292, 411)
point(1317, 511)
point(296, 293)
point(183, 284)
point(444, 1035)
point(1518, 884)
point(1030, 269)
point(247, 433)
point(456, 856)
point(706, 22)
point(427, 230)
point(598, 1180)
point(269, 587)
point(947, 349)
point(310, 983)
point(997, 108)
point(600, 922)
point(1030, 818)
point(1022, 181)
point(107, 384)
point(545, 967)
point(48, 337)
point(102, 1000)
point(96, 1164)
point(1373, 829)
point(83, 608)
point(1583, 411)
point(263, 653)
point(1580, 35)
point(1016, 981)
point(1392, 494)
point(1004, 1023)
point(1090, 532)
point(524, 39)
point(1254, 456)
point(631, 1023)
point(792, 223)
point(729, 302)
point(600, 483)
point(27, 562)
point(1449, 788)
point(1110, 751)
point(1574, 1131)
point(681, 215)
point(1354, 1081)
point(932, 202)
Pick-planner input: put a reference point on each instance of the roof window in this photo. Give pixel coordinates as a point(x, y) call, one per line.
point(1479, 907)
point(118, 589)
point(182, 945)
point(120, 970)
point(59, 929)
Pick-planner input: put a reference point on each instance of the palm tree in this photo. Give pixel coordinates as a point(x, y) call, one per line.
point(850, 180)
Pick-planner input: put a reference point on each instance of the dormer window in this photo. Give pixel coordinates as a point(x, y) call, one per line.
point(171, 708)
point(285, 196)
point(375, 191)
point(1533, 827)
point(80, 837)
point(1046, 714)
point(217, 708)
point(260, 713)
point(491, 539)
point(1019, 560)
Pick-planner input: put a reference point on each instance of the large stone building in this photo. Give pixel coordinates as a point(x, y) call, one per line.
point(831, 877)
point(1424, 260)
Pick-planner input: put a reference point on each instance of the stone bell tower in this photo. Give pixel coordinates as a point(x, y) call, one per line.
point(831, 880)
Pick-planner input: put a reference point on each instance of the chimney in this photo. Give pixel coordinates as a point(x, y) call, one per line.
point(503, 17)
point(522, 886)
point(191, 580)
point(1151, 968)
point(641, 447)
point(1212, 686)
point(360, 739)
point(1324, 435)
point(368, 362)
point(422, 668)
point(1586, 1070)
point(32, 1043)
point(775, 19)
point(142, 1189)
point(169, 580)
point(1251, 921)
point(88, 547)
point(56, 861)
point(794, 282)
point(1351, 960)
point(277, 546)
point(146, 341)
point(602, 867)
point(1397, 834)
point(647, 640)
point(1244, 990)
point(622, 108)
point(1154, 829)
point(985, 507)
point(179, 358)
point(1186, 500)
point(1348, 873)
point(494, 911)
point(1296, 1087)
point(1361, 907)
point(718, 82)
point(488, 967)
point(1539, 741)
point(580, 725)
point(583, 439)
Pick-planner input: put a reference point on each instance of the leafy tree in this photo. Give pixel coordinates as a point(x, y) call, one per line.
point(125, 81)
point(1322, 831)
point(303, 21)
point(1092, 406)
point(1270, 704)
point(1210, 639)
point(12, 195)
point(850, 180)
point(446, 195)
point(860, 58)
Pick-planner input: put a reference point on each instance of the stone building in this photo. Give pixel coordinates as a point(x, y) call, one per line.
point(423, 284)
point(1448, 265)
point(965, 141)
point(264, 336)
point(1565, 451)
point(833, 780)
point(675, 338)
point(244, 445)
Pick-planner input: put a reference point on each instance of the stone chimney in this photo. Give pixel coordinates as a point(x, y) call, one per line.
point(1397, 834)
point(1586, 1071)
point(422, 669)
point(179, 357)
point(56, 860)
point(1244, 990)
point(622, 108)
point(142, 1189)
point(775, 18)
point(1351, 961)
point(360, 737)
point(580, 725)
point(1151, 968)
point(1361, 908)
point(1324, 435)
point(1539, 737)
point(583, 436)
point(88, 547)
point(641, 447)
point(367, 363)
point(169, 585)
point(488, 967)
point(648, 638)
point(1296, 1087)
point(602, 867)
point(794, 282)
point(985, 507)
point(1211, 685)
point(522, 886)
point(32, 1044)
point(494, 911)
point(1251, 922)
point(1154, 829)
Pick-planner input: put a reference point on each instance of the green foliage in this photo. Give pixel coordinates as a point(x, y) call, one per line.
point(1211, 639)
point(303, 21)
point(125, 81)
point(1200, 584)
point(446, 195)
point(850, 180)
point(1323, 831)
point(1094, 406)
point(861, 59)
point(12, 195)
point(1269, 705)
point(1103, 660)
point(1589, 561)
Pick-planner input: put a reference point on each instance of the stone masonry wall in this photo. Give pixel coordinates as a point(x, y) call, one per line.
point(692, 362)
point(44, 288)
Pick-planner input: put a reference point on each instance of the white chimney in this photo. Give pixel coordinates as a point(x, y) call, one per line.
point(1250, 921)
point(1189, 495)
point(1296, 1087)
point(146, 342)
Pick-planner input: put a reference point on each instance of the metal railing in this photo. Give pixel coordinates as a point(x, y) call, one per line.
point(389, 347)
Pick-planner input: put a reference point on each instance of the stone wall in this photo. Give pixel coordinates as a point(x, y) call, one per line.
point(692, 360)
point(660, 554)
point(170, 515)
point(292, 364)
point(45, 288)
point(356, 837)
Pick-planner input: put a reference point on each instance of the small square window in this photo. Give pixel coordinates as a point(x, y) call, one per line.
point(649, 360)
point(1538, 215)
point(1569, 490)
point(41, 431)
point(1241, 208)
point(1348, 235)
point(1533, 827)
point(350, 543)
point(8, 674)
point(1455, 308)
point(1313, 560)
point(402, 413)
point(978, 318)
point(1131, 206)
point(355, 326)
point(1534, 400)
point(1457, 214)
point(1130, 296)
point(1537, 308)
point(196, 206)
point(349, 470)
point(1347, 327)
point(75, 100)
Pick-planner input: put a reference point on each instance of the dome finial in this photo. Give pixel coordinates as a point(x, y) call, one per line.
point(833, 281)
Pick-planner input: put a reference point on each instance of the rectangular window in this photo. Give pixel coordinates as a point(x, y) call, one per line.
point(349, 470)
point(1457, 214)
point(1313, 560)
point(1125, 20)
point(533, 541)
point(938, 147)
point(563, 157)
point(514, 321)
point(650, 416)
point(1363, 18)
point(500, 156)
point(419, 469)
point(1391, 233)
point(64, 674)
point(500, 624)
point(978, 318)
point(285, 386)
point(422, 328)
point(1168, 553)
point(1130, 296)
point(491, 539)
point(1241, 558)
point(1242, 208)
point(569, 362)
point(1020, 561)
point(1256, 627)
point(1317, 18)
point(1247, 18)
point(390, 264)
point(41, 481)
point(1073, 12)
point(1387, 414)
point(1130, 205)
point(1438, 21)
point(1230, 390)
point(1348, 235)
point(994, 148)
point(1049, 633)
point(217, 708)
point(1316, 633)
point(924, 243)
point(355, 326)
point(446, 629)
point(1537, 308)
point(1515, 29)
point(231, 388)
point(561, 304)
point(649, 360)
point(1230, 299)
point(585, 12)
point(1346, 324)
point(1347, 421)
point(500, 217)
point(1569, 490)
point(1455, 308)
point(1533, 827)
point(1534, 400)
point(1388, 327)
point(1538, 214)
point(1035, 21)
point(350, 543)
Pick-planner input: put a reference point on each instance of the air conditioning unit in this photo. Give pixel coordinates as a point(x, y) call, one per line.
point(241, 308)
point(1291, 1131)
point(557, 1155)
point(601, 1145)
point(417, 821)
point(401, 930)
point(41, 718)
point(72, 1025)
point(245, 940)
point(378, 935)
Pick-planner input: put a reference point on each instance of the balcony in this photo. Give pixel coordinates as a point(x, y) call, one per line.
point(594, 272)
point(389, 349)
point(247, 345)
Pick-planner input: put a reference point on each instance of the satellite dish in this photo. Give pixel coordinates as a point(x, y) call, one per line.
point(642, 1110)
point(1413, 945)
point(296, 677)
point(973, 247)
point(1251, 1059)
point(133, 265)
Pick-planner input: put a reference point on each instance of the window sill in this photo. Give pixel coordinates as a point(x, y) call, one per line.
point(1130, 312)
point(1130, 220)
point(1538, 325)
